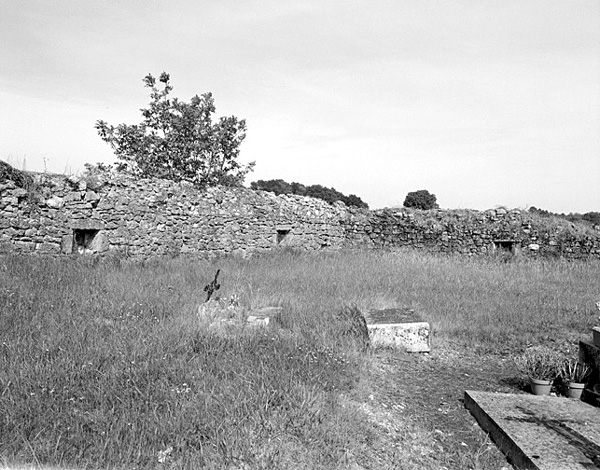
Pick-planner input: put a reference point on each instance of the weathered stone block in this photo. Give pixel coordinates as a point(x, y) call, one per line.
point(24, 246)
point(66, 245)
point(55, 202)
point(72, 196)
point(47, 248)
point(398, 328)
point(263, 316)
point(86, 224)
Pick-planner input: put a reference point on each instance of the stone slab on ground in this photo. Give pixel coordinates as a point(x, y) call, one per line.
point(262, 316)
point(539, 432)
point(399, 328)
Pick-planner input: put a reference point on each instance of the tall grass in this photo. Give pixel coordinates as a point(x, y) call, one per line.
point(104, 364)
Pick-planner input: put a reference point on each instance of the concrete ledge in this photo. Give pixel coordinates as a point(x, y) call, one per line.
point(539, 432)
point(596, 335)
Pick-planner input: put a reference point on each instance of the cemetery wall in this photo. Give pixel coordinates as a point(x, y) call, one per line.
point(496, 231)
point(114, 213)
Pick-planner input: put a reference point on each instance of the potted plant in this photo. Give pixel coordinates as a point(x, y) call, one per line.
point(574, 375)
point(541, 365)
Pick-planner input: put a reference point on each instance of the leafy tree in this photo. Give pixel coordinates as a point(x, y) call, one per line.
point(321, 192)
point(274, 186)
point(540, 212)
point(354, 200)
point(421, 199)
point(298, 188)
point(178, 140)
point(330, 195)
point(592, 217)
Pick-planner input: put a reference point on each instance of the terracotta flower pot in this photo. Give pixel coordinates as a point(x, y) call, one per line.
point(575, 389)
point(540, 387)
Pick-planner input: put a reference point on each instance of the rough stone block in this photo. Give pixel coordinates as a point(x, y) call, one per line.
point(47, 248)
point(91, 196)
point(66, 244)
point(253, 321)
point(72, 196)
point(55, 202)
point(87, 224)
point(263, 316)
point(398, 328)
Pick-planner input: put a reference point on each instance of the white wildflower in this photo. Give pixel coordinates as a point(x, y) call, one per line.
point(163, 454)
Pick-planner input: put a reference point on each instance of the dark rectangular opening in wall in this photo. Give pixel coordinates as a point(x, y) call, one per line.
point(83, 240)
point(283, 234)
point(505, 246)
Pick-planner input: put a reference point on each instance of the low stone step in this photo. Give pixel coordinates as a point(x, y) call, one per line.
point(399, 328)
point(539, 432)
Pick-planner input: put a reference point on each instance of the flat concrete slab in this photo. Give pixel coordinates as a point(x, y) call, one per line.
point(399, 328)
point(539, 432)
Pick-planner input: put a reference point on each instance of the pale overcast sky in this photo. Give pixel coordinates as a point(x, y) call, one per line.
point(481, 102)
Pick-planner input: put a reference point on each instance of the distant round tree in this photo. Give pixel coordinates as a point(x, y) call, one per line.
point(421, 199)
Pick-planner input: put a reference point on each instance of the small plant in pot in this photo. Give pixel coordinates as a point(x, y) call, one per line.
point(574, 375)
point(541, 365)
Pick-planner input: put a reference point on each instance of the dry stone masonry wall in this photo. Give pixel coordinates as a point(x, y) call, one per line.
point(497, 231)
point(158, 217)
point(114, 213)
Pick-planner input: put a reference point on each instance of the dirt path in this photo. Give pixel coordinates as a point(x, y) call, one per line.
point(424, 392)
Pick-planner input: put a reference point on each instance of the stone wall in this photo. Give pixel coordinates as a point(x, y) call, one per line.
point(112, 213)
point(513, 232)
point(158, 217)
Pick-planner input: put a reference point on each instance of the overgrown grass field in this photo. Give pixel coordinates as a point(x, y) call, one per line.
point(104, 364)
